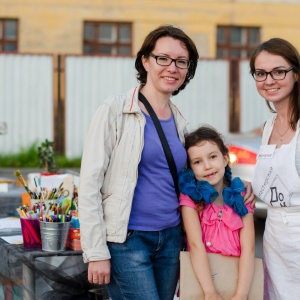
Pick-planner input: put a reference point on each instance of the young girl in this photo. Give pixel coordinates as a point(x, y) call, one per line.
point(214, 215)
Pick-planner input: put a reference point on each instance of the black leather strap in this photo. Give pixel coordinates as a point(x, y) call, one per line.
point(166, 147)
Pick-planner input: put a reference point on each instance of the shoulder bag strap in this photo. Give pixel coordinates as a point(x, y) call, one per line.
point(167, 150)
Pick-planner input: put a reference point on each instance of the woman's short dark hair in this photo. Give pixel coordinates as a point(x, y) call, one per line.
point(286, 50)
point(149, 45)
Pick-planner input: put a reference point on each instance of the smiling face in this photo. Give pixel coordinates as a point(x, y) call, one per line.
point(275, 91)
point(208, 163)
point(166, 79)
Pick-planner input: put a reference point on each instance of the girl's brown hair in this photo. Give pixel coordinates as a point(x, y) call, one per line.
point(209, 134)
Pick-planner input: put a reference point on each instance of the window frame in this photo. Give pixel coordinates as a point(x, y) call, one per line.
point(243, 48)
point(116, 45)
point(4, 40)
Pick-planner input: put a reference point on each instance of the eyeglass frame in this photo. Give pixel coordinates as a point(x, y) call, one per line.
point(172, 60)
point(270, 73)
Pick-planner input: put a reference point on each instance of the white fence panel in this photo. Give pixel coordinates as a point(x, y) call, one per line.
point(254, 111)
point(89, 81)
point(26, 97)
point(26, 100)
point(205, 98)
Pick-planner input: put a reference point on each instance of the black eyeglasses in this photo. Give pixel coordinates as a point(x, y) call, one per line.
point(261, 75)
point(166, 61)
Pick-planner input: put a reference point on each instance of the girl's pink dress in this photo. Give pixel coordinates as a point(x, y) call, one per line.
point(220, 227)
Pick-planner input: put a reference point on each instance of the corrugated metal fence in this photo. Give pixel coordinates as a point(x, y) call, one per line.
point(90, 80)
point(27, 100)
point(254, 111)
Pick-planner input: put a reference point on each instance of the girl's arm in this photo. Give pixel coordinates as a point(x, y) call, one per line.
point(198, 253)
point(246, 264)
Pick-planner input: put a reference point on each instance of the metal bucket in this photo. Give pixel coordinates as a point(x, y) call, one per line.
point(54, 235)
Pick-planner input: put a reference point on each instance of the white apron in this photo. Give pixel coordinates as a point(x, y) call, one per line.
point(276, 182)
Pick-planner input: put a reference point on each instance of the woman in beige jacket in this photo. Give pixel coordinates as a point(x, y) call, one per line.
point(128, 206)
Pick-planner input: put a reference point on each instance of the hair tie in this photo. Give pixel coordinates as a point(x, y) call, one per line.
point(197, 190)
point(233, 198)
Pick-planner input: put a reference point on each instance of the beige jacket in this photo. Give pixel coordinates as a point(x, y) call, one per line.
point(109, 171)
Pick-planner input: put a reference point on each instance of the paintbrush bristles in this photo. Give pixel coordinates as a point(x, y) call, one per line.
point(20, 177)
point(17, 172)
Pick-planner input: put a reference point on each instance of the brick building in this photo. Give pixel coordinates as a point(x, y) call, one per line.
point(224, 28)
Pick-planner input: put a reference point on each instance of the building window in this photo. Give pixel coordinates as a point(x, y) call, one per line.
point(8, 35)
point(107, 38)
point(236, 42)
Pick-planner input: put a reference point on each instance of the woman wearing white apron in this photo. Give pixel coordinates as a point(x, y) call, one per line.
point(275, 68)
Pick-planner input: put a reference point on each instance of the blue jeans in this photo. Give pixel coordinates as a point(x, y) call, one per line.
point(146, 265)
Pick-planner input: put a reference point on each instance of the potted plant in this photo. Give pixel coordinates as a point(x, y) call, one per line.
point(46, 157)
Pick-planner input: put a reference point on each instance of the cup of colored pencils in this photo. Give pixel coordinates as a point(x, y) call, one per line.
point(30, 226)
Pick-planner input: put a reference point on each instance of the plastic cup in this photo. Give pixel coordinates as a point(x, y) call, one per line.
point(31, 233)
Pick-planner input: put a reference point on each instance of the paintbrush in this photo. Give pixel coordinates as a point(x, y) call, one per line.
point(21, 179)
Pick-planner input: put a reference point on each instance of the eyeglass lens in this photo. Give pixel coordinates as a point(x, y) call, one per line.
point(261, 75)
point(166, 61)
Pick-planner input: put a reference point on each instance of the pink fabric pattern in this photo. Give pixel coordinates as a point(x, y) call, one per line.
point(220, 227)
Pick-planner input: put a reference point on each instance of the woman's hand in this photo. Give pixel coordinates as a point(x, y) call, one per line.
point(249, 196)
point(99, 272)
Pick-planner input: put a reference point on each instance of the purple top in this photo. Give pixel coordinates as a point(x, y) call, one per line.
point(155, 203)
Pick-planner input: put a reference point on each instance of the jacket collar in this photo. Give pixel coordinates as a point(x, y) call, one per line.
point(131, 102)
point(131, 106)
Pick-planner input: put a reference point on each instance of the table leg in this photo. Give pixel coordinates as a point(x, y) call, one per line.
point(28, 283)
